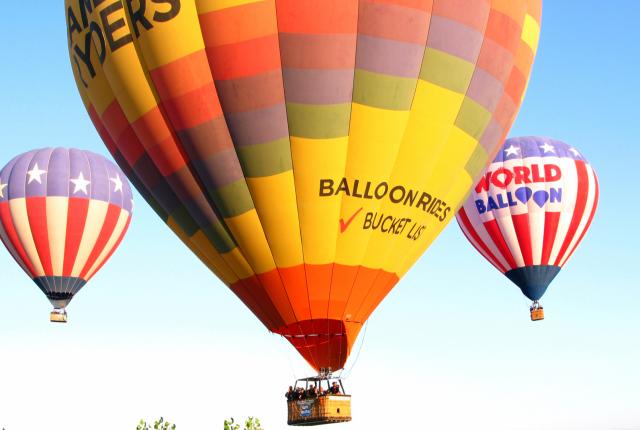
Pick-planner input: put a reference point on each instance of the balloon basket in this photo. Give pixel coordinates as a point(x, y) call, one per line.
point(323, 407)
point(58, 316)
point(537, 314)
point(320, 410)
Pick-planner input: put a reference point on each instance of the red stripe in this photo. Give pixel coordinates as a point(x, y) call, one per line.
point(496, 235)
point(76, 220)
point(551, 221)
point(101, 129)
point(115, 246)
point(578, 211)
point(37, 215)
point(110, 221)
point(10, 230)
point(523, 233)
point(593, 212)
point(464, 219)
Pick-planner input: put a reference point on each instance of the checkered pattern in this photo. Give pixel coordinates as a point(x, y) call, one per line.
point(227, 117)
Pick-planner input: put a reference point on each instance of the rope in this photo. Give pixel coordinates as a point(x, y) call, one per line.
point(348, 373)
point(285, 349)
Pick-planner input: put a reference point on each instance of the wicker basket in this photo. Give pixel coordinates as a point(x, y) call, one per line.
point(58, 316)
point(320, 410)
point(537, 314)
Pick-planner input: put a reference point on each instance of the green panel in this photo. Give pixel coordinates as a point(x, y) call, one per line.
point(476, 162)
point(233, 199)
point(220, 238)
point(265, 159)
point(318, 121)
point(383, 91)
point(183, 219)
point(473, 118)
point(157, 208)
point(446, 70)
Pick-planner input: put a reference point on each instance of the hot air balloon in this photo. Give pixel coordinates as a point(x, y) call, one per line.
point(63, 212)
point(530, 210)
point(308, 151)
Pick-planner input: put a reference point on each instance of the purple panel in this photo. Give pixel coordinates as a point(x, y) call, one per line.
point(259, 126)
point(58, 173)
point(491, 137)
point(17, 176)
point(37, 174)
point(454, 38)
point(79, 168)
point(5, 175)
point(118, 186)
point(318, 86)
point(485, 89)
point(100, 185)
point(532, 146)
point(65, 172)
point(389, 57)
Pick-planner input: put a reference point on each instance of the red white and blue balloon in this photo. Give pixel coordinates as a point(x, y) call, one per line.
point(63, 212)
point(530, 210)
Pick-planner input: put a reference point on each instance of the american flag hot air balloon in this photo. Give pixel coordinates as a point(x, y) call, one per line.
point(63, 212)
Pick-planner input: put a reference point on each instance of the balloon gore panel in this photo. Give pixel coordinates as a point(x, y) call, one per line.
point(307, 151)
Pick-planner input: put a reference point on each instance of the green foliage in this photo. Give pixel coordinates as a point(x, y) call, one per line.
point(161, 424)
point(250, 424)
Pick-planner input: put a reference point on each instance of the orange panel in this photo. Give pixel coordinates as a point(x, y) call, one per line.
point(237, 24)
point(504, 30)
point(317, 16)
point(182, 76)
point(341, 284)
point(193, 108)
point(157, 139)
point(319, 284)
point(259, 55)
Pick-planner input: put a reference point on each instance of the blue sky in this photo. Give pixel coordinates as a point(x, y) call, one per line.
point(156, 334)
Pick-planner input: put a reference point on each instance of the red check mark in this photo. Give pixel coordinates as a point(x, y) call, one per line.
point(345, 225)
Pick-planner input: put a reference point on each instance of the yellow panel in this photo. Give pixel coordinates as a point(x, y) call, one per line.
point(436, 103)
point(459, 148)
point(97, 89)
point(99, 92)
point(458, 191)
point(314, 160)
point(203, 250)
point(126, 76)
point(247, 231)
point(160, 44)
point(374, 139)
point(222, 269)
point(205, 6)
point(531, 32)
point(275, 201)
point(238, 263)
point(432, 151)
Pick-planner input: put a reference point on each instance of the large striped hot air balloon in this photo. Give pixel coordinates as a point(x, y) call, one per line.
point(530, 210)
point(63, 212)
point(308, 151)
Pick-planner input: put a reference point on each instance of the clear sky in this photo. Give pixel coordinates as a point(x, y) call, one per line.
point(452, 346)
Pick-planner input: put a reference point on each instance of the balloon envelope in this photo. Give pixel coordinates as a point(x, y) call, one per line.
point(530, 210)
point(308, 151)
point(63, 212)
